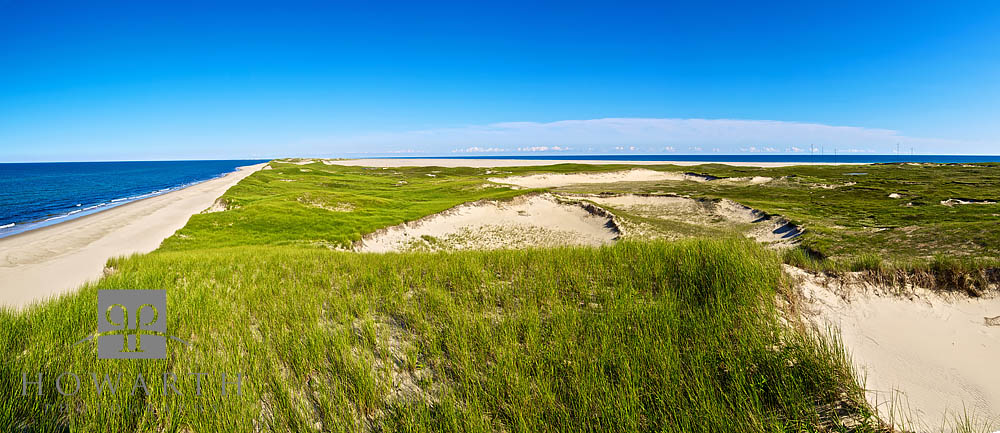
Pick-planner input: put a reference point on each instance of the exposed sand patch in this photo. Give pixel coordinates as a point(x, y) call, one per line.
point(755, 180)
point(48, 261)
point(958, 201)
point(927, 357)
point(833, 186)
point(527, 221)
point(394, 362)
point(219, 205)
point(332, 207)
point(555, 220)
point(555, 180)
point(685, 216)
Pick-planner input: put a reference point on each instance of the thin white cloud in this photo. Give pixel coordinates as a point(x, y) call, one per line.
point(477, 149)
point(543, 149)
point(603, 135)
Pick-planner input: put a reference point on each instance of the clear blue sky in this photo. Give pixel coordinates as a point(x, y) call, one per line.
point(181, 80)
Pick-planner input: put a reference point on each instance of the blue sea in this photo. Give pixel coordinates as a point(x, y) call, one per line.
point(34, 195)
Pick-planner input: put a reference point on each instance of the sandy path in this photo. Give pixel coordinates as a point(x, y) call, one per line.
point(928, 358)
point(532, 221)
point(52, 260)
point(444, 162)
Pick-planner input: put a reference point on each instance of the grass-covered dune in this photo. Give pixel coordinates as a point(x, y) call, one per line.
point(897, 211)
point(636, 337)
point(319, 205)
point(640, 336)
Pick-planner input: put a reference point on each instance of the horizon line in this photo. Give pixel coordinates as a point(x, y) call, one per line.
point(540, 155)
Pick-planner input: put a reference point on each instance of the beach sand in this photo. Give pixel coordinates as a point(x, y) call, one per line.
point(499, 162)
point(46, 262)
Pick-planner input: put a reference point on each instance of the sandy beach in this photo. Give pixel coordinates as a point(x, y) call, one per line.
point(499, 162)
point(46, 262)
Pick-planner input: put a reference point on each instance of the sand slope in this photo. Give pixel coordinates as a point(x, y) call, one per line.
point(687, 212)
point(927, 357)
point(42, 263)
point(526, 221)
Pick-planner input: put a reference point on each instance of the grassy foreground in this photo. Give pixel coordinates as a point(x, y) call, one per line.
point(639, 336)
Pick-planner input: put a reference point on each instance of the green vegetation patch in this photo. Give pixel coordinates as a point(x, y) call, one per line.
point(635, 337)
point(896, 211)
point(330, 205)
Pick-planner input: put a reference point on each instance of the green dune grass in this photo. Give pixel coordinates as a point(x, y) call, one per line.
point(845, 215)
point(329, 206)
point(677, 336)
point(891, 210)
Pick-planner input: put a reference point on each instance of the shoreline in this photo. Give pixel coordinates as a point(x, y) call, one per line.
point(500, 162)
point(51, 221)
point(48, 261)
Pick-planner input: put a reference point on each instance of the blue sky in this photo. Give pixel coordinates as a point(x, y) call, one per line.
point(185, 80)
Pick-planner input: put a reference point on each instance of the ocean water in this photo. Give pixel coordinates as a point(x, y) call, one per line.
point(34, 195)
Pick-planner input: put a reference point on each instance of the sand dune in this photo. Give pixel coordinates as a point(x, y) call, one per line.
point(548, 220)
point(927, 357)
point(527, 221)
point(773, 231)
point(46, 262)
